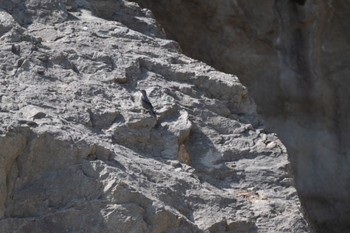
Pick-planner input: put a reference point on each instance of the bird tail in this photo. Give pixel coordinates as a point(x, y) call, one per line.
point(153, 113)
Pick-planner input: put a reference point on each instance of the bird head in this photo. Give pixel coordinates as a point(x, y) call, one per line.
point(143, 92)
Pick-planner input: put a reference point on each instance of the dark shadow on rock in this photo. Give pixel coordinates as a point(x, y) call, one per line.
point(206, 159)
point(237, 227)
point(127, 13)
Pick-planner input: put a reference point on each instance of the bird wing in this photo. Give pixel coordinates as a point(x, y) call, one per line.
point(146, 102)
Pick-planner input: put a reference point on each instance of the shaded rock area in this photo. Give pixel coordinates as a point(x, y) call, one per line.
point(293, 55)
point(78, 153)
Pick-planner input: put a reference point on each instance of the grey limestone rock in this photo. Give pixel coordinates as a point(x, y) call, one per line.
point(77, 153)
point(293, 56)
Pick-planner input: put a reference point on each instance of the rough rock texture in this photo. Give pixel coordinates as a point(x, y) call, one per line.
point(294, 58)
point(78, 153)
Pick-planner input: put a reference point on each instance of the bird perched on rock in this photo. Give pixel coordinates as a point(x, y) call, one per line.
point(16, 49)
point(146, 103)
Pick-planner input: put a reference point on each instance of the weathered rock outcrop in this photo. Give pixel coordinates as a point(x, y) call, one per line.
point(79, 154)
point(294, 57)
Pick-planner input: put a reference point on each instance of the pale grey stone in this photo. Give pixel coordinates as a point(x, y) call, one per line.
point(92, 161)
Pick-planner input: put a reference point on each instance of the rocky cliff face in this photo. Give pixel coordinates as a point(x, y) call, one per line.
point(78, 153)
point(294, 57)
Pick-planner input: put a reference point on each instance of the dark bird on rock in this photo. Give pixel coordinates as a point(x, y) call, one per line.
point(16, 49)
point(146, 103)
